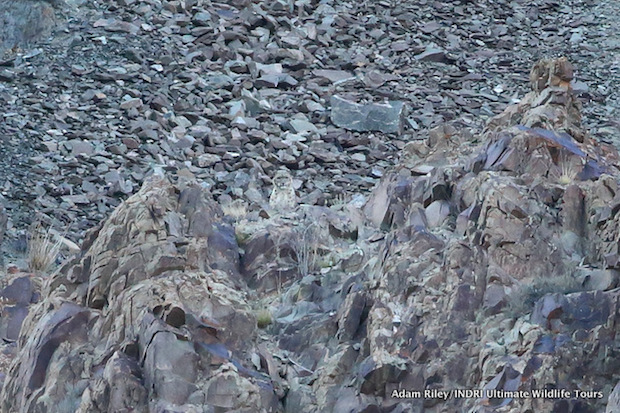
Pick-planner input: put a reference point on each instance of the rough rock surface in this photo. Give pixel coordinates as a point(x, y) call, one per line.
point(152, 316)
point(386, 117)
point(25, 22)
point(480, 262)
point(244, 250)
point(236, 90)
point(524, 231)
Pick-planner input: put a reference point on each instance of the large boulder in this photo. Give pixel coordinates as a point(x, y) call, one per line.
point(488, 250)
point(151, 317)
point(26, 21)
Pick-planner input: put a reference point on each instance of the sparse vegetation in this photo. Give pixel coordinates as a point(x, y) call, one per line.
point(339, 200)
point(306, 247)
point(235, 209)
point(523, 299)
point(567, 169)
point(43, 248)
point(244, 230)
point(263, 318)
point(279, 261)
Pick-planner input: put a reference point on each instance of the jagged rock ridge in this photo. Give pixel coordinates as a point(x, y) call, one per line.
point(158, 313)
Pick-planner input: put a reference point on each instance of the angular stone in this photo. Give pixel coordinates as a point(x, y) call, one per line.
point(113, 25)
point(300, 126)
point(131, 103)
point(282, 81)
point(436, 213)
point(548, 308)
point(613, 402)
point(3, 222)
point(350, 316)
point(382, 117)
point(202, 18)
point(6, 75)
point(334, 76)
point(80, 147)
point(214, 81)
point(433, 55)
point(25, 22)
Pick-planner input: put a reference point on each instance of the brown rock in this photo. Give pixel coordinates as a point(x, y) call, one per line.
point(165, 240)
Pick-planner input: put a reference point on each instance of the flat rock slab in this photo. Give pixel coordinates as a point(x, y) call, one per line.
point(383, 117)
point(433, 55)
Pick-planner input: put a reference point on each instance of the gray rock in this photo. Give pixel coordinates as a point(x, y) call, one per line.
point(282, 81)
point(163, 272)
point(334, 76)
point(436, 213)
point(202, 18)
point(3, 223)
point(186, 353)
point(113, 25)
point(300, 126)
point(613, 402)
point(433, 55)
point(387, 118)
point(78, 146)
point(22, 23)
point(131, 103)
point(214, 81)
point(350, 316)
point(6, 75)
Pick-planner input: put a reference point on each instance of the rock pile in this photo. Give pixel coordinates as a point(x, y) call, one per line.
point(234, 91)
point(485, 262)
point(274, 214)
point(152, 316)
point(508, 257)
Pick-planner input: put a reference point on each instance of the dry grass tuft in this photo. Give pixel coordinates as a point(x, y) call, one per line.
point(236, 209)
point(306, 247)
point(339, 200)
point(43, 248)
point(523, 299)
point(263, 318)
point(567, 169)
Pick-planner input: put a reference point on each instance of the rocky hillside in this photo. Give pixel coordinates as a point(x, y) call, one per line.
point(487, 263)
point(235, 90)
point(294, 207)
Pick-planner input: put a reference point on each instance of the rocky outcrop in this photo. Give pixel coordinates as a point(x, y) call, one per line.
point(152, 316)
point(495, 251)
point(23, 22)
point(3, 222)
point(483, 262)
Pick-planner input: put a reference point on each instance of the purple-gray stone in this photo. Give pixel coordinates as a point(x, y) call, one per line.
point(383, 117)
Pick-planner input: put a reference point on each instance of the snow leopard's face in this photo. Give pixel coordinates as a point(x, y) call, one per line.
point(283, 194)
point(282, 179)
